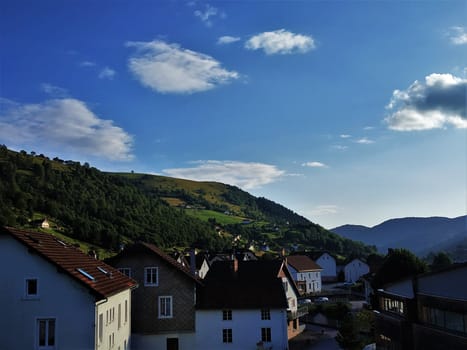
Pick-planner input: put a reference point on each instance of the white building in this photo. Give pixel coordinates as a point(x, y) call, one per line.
point(247, 305)
point(305, 272)
point(355, 269)
point(328, 264)
point(53, 296)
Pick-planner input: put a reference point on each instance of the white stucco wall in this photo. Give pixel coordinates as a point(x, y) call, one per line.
point(246, 329)
point(328, 263)
point(119, 336)
point(312, 279)
point(355, 269)
point(59, 297)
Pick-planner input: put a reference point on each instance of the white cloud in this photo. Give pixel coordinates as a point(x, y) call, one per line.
point(208, 13)
point(107, 73)
point(314, 165)
point(365, 141)
point(87, 64)
point(345, 136)
point(66, 124)
point(169, 68)
point(241, 174)
point(457, 35)
point(281, 42)
point(437, 102)
point(324, 209)
point(340, 147)
point(227, 39)
point(53, 90)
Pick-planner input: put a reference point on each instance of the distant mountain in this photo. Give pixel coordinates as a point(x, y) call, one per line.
point(420, 235)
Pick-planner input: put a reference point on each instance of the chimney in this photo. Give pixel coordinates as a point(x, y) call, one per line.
point(193, 261)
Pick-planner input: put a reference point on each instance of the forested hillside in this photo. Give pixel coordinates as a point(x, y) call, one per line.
point(107, 209)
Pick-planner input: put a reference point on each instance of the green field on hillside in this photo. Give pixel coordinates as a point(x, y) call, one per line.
point(220, 218)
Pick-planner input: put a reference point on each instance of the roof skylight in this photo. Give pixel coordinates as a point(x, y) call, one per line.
point(88, 275)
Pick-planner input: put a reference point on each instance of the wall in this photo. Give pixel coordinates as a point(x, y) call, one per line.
point(120, 336)
point(328, 263)
point(246, 329)
point(59, 297)
point(355, 269)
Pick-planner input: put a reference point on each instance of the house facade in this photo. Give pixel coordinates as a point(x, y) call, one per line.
point(246, 305)
point(355, 269)
point(328, 263)
point(428, 312)
point(56, 297)
point(306, 273)
point(164, 304)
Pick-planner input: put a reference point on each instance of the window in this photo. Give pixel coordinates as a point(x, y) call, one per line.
point(46, 333)
point(31, 287)
point(101, 327)
point(126, 311)
point(107, 317)
point(119, 316)
point(266, 334)
point(286, 286)
point(227, 335)
point(265, 314)
point(226, 315)
point(125, 271)
point(165, 307)
point(151, 276)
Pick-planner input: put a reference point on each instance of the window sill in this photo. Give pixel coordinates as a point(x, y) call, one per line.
point(30, 298)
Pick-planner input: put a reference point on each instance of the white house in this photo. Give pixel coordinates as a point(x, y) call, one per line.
point(355, 269)
point(53, 296)
point(247, 305)
point(328, 264)
point(305, 272)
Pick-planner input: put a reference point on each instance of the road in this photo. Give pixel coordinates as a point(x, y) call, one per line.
point(315, 338)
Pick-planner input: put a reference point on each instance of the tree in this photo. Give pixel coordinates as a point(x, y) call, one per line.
point(440, 261)
point(398, 264)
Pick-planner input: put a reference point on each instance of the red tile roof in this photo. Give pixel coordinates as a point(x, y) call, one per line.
point(302, 263)
point(105, 280)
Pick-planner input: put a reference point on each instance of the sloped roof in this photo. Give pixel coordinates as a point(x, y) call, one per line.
point(255, 284)
point(302, 263)
point(159, 253)
point(105, 280)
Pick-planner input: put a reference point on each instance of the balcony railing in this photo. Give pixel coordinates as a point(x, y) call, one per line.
point(301, 311)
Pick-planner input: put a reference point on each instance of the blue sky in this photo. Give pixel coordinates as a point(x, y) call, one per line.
point(345, 112)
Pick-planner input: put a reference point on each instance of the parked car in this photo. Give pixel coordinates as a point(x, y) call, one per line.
point(321, 300)
point(304, 301)
point(349, 284)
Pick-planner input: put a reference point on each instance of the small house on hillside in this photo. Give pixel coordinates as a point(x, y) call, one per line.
point(355, 269)
point(306, 273)
point(164, 304)
point(247, 305)
point(53, 296)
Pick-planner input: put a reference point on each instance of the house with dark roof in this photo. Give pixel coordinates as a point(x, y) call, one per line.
point(53, 296)
point(426, 312)
point(247, 305)
point(163, 306)
point(306, 273)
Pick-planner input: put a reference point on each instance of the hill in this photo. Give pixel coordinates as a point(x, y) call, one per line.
point(420, 235)
point(108, 209)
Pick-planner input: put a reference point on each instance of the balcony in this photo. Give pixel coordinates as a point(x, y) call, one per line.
point(301, 311)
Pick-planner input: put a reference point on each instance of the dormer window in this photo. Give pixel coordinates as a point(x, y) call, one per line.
point(31, 288)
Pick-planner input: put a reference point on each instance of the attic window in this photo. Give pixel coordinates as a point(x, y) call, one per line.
point(105, 272)
point(84, 273)
point(61, 242)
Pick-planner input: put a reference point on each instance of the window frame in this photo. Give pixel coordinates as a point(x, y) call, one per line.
point(266, 334)
point(125, 270)
point(27, 295)
point(227, 335)
point(227, 315)
point(265, 314)
point(164, 298)
point(47, 346)
point(152, 283)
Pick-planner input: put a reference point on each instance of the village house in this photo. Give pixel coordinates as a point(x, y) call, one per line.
point(163, 306)
point(247, 305)
point(305, 272)
point(427, 312)
point(328, 264)
point(354, 269)
point(53, 296)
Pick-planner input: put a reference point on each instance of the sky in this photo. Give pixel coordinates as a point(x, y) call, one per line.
point(346, 112)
